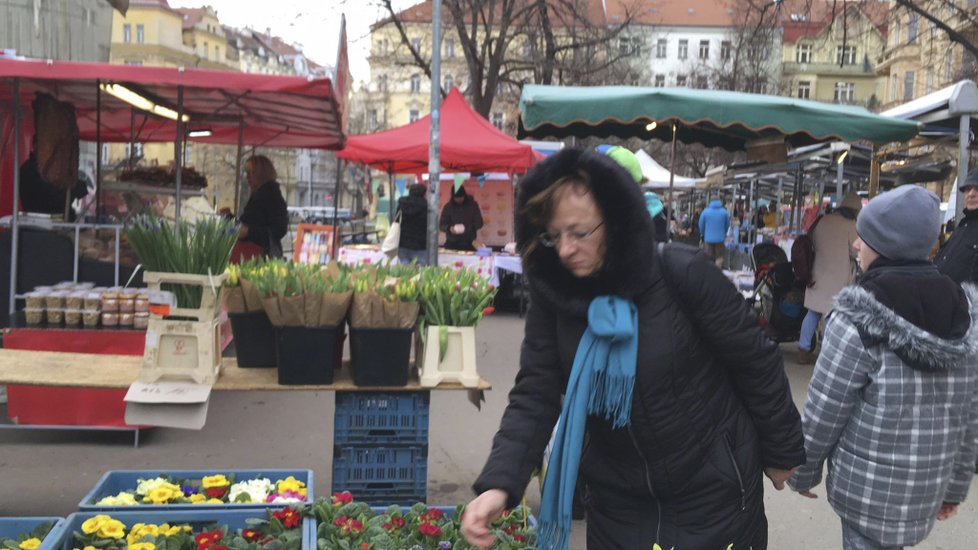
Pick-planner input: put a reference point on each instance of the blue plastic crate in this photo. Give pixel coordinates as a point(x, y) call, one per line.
point(370, 472)
point(114, 481)
point(234, 519)
point(374, 418)
point(11, 528)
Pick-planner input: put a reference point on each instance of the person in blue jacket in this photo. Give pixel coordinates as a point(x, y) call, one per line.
point(714, 223)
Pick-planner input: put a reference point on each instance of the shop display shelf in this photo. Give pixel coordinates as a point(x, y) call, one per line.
point(11, 527)
point(114, 481)
point(374, 418)
point(198, 519)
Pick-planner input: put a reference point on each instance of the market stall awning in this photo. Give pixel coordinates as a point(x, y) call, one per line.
point(274, 111)
point(469, 143)
point(713, 118)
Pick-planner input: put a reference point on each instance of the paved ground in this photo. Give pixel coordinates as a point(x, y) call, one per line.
point(47, 473)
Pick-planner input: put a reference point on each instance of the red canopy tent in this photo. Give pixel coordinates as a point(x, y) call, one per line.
point(469, 143)
point(253, 109)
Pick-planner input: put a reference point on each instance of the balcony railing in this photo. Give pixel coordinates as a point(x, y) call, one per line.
point(829, 68)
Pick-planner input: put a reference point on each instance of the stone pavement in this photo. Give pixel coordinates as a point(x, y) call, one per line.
point(47, 473)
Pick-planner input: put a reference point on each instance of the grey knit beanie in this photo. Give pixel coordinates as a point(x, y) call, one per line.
point(901, 224)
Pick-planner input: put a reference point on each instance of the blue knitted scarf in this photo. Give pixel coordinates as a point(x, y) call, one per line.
point(600, 384)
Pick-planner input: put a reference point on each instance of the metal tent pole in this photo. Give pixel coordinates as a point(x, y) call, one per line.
point(672, 175)
point(178, 152)
point(15, 221)
point(237, 168)
point(98, 150)
point(839, 172)
point(434, 143)
point(390, 196)
point(964, 137)
point(777, 213)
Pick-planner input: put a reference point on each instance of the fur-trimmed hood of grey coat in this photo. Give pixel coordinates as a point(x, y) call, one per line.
point(918, 347)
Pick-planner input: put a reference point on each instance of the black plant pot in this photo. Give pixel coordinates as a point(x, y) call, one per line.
point(306, 355)
point(254, 339)
point(380, 356)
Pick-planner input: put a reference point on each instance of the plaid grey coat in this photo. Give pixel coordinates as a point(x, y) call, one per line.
point(899, 441)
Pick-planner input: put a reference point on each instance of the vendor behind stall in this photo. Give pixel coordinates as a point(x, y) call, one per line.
point(265, 219)
point(38, 195)
point(460, 220)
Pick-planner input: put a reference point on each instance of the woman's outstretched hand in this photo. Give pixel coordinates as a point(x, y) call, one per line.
point(481, 512)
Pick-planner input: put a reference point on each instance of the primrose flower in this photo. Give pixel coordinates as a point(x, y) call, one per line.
point(144, 486)
point(112, 529)
point(163, 495)
point(142, 546)
point(215, 481)
point(122, 499)
point(257, 490)
point(30, 544)
point(290, 484)
point(198, 499)
point(93, 524)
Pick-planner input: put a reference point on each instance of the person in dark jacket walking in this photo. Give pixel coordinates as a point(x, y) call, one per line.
point(413, 210)
point(893, 402)
point(959, 257)
point(265, 219)
point(683, 399)
point(460, 220)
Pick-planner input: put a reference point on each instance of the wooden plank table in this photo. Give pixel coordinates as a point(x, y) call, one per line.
point(85, 370)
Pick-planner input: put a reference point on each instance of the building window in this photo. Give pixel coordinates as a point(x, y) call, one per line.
point(127, 33)
point(207, 50)
point(704, 49)
point(930, 80)
point(683, 49)
point(140, 34)
point(660, 81)
point(413, 115)
point(449, 48)
point(844, 92)
point(894, 82)
point(449, 81)
point(382, 83)
point(804, 89)
point(680, 80)
point(845, 55)
point(629, 46)
point(527, 50)
point(660, 48)
point(908, 81)
point(725, 49)
point(138, 151)
point(702, 82)
point(912, 28)
point(371, 119)
point(188, 154)
point(217, 52)
point(896, 32)
point(416, 45)
point(948, 64)
point(415, 84)
point(803, 53)
point(497, 120)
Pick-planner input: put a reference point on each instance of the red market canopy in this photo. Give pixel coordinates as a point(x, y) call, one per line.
point(274, 111)
point(469, 143)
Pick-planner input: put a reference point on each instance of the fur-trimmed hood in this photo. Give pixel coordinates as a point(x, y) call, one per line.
point(916, 346)
point(630, 255)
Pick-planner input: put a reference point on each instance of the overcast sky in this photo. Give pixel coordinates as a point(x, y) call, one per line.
point(314, 24)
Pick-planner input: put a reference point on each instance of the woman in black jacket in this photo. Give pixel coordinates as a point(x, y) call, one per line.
point(710, 409)
point(413, 210)
point(265, 219)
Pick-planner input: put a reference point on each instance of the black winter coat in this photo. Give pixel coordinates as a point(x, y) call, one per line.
point(959, 257)
point(467, 214)
point(414, 222)
point(711, 405)
point(267, 217)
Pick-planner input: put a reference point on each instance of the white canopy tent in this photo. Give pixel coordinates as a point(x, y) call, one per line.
point(657, 176)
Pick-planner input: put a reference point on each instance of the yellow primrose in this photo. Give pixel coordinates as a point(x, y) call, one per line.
point(290, 484)
point(215, 501)
point(93, 524)
point(197, 499)
point(172, 531)
point(89, 548)
point(215, 481)
point(30, 544)
point(142, 546)
point(161, 495)
point(112, 529)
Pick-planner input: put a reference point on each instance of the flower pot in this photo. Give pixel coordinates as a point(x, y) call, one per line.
point(458, 362)
point(254, 339)
point(380, 356)
point(306, 355)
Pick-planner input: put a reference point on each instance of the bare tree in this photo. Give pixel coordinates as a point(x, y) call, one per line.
point(507, 43)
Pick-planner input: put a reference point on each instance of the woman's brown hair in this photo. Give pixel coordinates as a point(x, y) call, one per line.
point(263, 168)
point(540, 208)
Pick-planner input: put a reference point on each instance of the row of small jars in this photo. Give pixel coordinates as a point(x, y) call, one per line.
point(91, 306)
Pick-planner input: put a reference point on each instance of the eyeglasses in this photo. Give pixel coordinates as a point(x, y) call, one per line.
point(551, 241)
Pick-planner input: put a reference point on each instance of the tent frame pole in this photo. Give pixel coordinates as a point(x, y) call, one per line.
point(964, 137)
point(434, 142)
point(178, 155)
point(15, 220)
point(672, 175)
point(237, 168)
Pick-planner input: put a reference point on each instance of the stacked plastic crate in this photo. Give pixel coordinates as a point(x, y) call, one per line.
point(380, 451)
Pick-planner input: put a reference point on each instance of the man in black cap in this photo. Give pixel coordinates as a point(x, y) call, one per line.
point(959, 257)
point(460, 220)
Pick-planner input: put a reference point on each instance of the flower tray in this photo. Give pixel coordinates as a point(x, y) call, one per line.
point(114, 481)
point(395, 474)
point(198, 519)
point(397, 418)
point(10, 528)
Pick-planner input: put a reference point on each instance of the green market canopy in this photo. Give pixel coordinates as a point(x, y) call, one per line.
point(712, 118)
